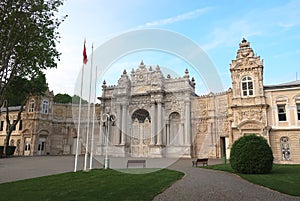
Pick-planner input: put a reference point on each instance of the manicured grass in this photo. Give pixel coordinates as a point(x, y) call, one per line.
point(283, 178)
point(93, 185)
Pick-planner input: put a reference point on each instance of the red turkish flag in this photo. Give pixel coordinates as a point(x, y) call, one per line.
point(84, 54)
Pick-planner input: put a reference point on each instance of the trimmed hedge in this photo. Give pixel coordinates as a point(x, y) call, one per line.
point(251, 154)
point(10, 150)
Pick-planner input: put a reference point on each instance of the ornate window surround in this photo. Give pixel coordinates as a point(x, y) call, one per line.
point(285, 148)
point(282, 108)
point(31, 105)
point(297, 107)
point(247, 86)
point(281, 112)
point(45, 106)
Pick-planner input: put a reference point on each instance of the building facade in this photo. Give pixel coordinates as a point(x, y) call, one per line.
point(45, 128)
point(154, 115)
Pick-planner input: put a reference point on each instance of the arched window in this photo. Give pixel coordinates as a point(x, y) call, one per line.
point(140, 115)
point(174, 120)
point(12, 143)
point(285, 148)
point(31, 106)
point(45, 108)
point(247, 86)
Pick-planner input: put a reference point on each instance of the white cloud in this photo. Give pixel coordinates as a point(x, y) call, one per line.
point(287, 24)
point(229, 34)
point(178, 18)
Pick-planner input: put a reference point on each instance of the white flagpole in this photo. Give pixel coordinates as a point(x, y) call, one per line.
point(94, 111)
point(79, 117)
point(88, 116)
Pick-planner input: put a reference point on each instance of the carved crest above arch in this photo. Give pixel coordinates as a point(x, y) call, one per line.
point(250, 125)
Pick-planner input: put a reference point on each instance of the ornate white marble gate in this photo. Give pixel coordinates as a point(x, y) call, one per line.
point(140, 134)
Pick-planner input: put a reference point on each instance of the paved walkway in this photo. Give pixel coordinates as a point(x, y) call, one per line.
point(203, 184)
point(19, 168)
point(197, 184)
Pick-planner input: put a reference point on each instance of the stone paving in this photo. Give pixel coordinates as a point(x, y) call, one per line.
point(197, 184)
point(19, 168)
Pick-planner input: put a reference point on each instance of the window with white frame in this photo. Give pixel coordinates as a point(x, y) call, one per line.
point(247, 86)
point(281, 112)
point(31, 106)
point(45, 107)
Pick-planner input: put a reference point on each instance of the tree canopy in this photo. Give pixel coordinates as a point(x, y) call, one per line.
point(66, 98)
point(62, 98)
point(20, 89)
point(28, 38)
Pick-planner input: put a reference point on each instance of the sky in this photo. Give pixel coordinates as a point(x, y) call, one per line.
point(216, 26)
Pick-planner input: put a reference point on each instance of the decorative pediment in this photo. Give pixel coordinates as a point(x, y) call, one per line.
point(245, 58)
point(250, 125)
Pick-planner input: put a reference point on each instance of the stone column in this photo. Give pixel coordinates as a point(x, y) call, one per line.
point(230, 133)
point(167, 133)
point(187, 136)
point(118, 123)
point(101, 130)
point(287, 113)
point(153, 122)
point(124, 123)
point(159, 124)
point(180, 134)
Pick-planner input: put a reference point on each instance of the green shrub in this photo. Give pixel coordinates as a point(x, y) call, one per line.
point(10, 150)
point(251, 154)
point(1, 150)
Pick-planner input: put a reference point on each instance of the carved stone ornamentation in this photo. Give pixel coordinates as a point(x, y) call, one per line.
point(250, 114)
point(202, 127)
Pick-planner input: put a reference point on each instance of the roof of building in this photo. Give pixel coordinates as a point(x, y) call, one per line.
point(11, 108)
point(291, 84)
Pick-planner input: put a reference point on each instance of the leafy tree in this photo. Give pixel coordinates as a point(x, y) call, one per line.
point(75, 100)
point(251, 154)
point(17, 94)
point(62, 98)
point(66, 98)
point(28, 38)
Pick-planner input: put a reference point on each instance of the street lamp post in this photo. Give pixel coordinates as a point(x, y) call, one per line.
point(106, 119)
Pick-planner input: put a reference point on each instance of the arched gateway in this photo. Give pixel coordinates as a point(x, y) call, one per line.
point(140, 133)
point(153, 114)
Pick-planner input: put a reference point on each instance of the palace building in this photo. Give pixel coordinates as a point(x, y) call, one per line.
point(159, 116)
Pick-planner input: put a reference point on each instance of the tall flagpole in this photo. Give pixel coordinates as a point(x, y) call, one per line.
point(79, 117)
point(79, 108)
point(94, 110)
point(88, 116)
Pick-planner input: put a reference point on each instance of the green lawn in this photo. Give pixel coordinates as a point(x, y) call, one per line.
point(93, 185)
point(283, 178)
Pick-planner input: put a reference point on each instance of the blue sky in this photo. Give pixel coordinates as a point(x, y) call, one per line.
point(272, 28)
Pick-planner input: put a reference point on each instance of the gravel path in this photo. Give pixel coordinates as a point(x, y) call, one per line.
point(203, 184)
